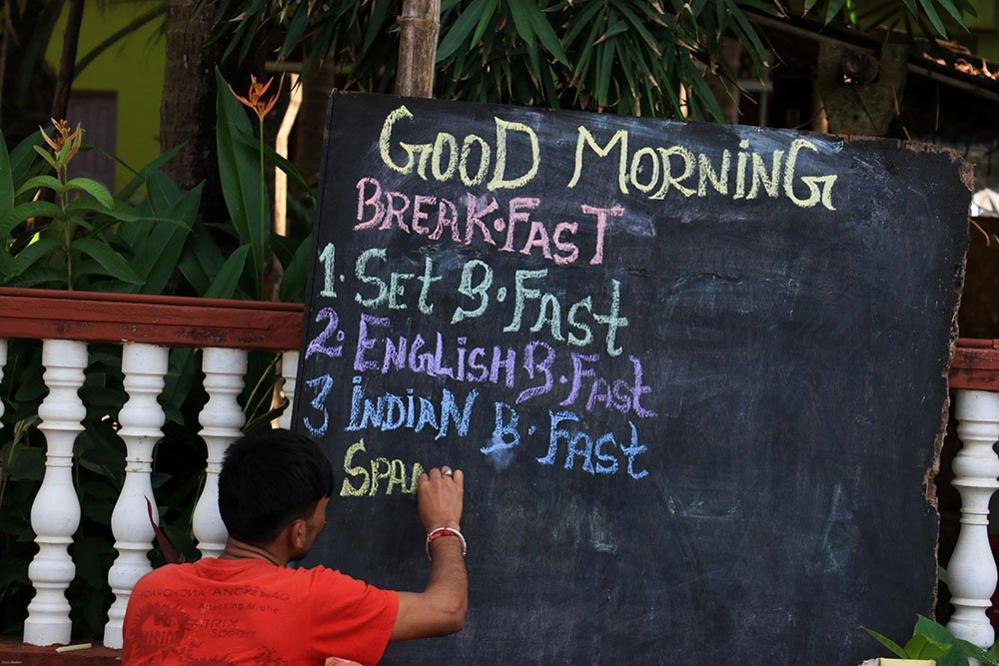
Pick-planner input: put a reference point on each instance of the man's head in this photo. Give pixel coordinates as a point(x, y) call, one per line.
point(273, 491)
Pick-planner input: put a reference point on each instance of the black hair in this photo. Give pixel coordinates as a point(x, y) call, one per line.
point(269, 479)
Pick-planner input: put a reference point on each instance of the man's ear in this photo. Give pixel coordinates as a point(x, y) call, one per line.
point(299, 533)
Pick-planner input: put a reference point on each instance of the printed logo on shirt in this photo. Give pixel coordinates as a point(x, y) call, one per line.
point(159, 628)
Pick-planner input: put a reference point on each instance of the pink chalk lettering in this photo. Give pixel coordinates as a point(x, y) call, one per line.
point(394, 212)
point(474, 215)
point(447, 216)
point(601, 213)
point(374, 200)
point(517, 215)
point(419, 214)
point(565, 246)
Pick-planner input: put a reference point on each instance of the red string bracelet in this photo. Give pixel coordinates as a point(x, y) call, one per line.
point(445, 532)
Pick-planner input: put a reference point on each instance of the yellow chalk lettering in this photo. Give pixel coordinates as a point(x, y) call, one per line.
point(668, 178)
point(484, 158)
point(443, 139)
point(385, 139)
point(499, 179)
point(620, 136)
point(377, 474)
point(397, 476)
point(771, 183)
point(740, 171)
point(636, 168)
point(719, 180)
point(348, 490)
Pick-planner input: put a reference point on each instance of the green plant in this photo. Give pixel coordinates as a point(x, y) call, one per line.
point(152, 227)
point(628, 56)
point(932, 640)
point(72, 233)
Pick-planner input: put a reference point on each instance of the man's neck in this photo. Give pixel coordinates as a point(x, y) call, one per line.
point(236, 549)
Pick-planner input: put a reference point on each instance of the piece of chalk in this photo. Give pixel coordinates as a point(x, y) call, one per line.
point(74, 648)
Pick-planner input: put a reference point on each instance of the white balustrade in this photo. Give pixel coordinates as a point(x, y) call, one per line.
point(3, 362)
point(289, 370)
point(971, 573)
point(141, 420)
point(221, 421)
point(55, 513)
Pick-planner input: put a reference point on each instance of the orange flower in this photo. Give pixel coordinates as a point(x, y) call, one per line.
point(254, 96)
point(64, 137)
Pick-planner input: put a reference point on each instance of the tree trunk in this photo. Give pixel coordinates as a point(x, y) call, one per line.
point(310, 128)
point(860, 92)
point(187, 115)
point(420, 22)
point(67, 61)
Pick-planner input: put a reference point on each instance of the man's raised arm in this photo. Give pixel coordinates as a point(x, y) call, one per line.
point(440, 609)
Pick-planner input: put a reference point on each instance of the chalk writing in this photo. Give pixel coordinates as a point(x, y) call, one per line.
point(533, 307)
point(473, 219)
point(365, 480)
point(321, 386)
point(319, 344)
point(533, 366)
point(392, 412)
point(666, 168)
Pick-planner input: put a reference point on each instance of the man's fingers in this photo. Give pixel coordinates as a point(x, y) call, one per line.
point(423, 478)
point(435, 474)
point(459, 478)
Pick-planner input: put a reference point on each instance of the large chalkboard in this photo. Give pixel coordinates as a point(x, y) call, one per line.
point(695, 375)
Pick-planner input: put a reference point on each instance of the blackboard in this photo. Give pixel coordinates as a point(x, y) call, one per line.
point(695, 374)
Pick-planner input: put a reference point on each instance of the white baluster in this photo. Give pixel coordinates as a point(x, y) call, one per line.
point(141, 419)
point(221, 420)
point(55, 513)
point(289, 370)
point(971, 573)
point(3, 362)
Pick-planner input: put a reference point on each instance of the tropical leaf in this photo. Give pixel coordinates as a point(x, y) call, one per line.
point(224, 284)
point(296, 273)
point(888, 643)
point(456, 36)
point(24, 211)
point(543, 29)
point(923, 647)
point(27, 257)
point(37, 182)
point(91, 187)
point(239, 173)
point(521, 19)
point(22, 158)
point(158, 254)
point(6, 180)
point(931, 14)
point(139, 179)
point(270, 154)
point(108, 259)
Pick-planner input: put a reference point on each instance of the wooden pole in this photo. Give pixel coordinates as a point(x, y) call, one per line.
point(420, 23)
point(67, 62)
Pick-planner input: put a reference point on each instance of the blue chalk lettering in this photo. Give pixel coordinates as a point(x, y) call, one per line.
point(632, 451)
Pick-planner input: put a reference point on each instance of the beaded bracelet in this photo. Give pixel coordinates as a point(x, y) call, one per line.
point(442, 532)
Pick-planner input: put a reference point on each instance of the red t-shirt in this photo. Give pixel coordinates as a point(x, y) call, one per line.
point(247, 611)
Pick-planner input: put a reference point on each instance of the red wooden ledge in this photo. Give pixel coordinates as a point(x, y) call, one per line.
point(174, 321)
point(179, 321)
point(13, 651)
point(975, 365)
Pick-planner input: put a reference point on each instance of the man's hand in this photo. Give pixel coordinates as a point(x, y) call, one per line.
point(441, 608)
point(440, 497)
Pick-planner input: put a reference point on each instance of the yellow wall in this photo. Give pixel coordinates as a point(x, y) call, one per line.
point(986, 29)
point(132, 68)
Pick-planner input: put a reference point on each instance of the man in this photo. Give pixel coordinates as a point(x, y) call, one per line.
point(247, 607)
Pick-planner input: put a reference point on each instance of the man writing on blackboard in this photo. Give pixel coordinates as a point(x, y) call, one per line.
point(247, 607)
